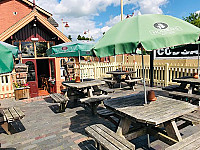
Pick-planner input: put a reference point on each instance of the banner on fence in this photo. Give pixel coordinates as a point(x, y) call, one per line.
point(189, 50)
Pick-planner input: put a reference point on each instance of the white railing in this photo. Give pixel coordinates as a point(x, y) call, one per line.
point(162, 75)
point(6, 86)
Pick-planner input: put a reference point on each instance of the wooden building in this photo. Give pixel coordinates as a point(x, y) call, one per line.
point(33, 30)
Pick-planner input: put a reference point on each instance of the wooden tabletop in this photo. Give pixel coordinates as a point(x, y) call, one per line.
point(188, 80)
point(120, 72)
point(159, 111)
point(84, 84)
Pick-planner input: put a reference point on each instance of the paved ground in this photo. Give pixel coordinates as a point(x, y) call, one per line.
point(44, 129)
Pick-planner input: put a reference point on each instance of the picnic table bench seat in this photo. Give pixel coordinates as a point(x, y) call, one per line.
point(108, 139)
point(106, 90)
point(108, 114)
point(110, 82)
point(94, 101)
point(170, 87)
point(62, 100)
point(132, 82)
point(193, 117)
point(189, 143)
point(8, 116)
point(181, 95)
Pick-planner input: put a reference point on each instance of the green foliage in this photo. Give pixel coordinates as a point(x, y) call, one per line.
point(85, 38)
point(79, 37)
point(69, 37)
point(193, 18)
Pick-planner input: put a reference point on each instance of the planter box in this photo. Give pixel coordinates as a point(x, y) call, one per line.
point(22, 92)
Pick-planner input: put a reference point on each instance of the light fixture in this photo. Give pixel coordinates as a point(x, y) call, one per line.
point(35, 21)
point(66, 25)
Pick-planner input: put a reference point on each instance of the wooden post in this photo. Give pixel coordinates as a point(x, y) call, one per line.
point(151, 68)
point(166, 74)
point(135, 69)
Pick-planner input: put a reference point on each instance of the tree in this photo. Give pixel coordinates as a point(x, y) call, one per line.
point(193, 18)
point(79, 37)
point(69, 37)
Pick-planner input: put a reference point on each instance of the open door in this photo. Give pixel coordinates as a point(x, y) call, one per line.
point(32, 76)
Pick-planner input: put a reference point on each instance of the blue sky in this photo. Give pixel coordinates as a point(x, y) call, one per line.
point(98, 16)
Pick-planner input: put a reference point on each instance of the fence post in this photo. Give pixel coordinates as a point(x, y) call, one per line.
point(135, 69)
point(166, 74)
point(95, 69)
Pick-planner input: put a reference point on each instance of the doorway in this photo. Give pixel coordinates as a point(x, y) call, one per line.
point(43, 76)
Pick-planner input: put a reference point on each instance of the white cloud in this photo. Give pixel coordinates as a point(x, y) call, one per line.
point(151, 6)
point(80, 13)
point(198, 12)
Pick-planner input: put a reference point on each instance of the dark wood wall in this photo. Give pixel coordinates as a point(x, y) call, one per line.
point(40, 32)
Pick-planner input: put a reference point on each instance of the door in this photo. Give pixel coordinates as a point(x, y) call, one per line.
point(32, 76)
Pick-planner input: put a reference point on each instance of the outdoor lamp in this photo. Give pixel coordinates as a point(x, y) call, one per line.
point(66, 25)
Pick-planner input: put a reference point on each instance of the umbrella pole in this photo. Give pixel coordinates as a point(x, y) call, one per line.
point(198, 61)
point(79, 58)
point(143, 70)
point(145, 93)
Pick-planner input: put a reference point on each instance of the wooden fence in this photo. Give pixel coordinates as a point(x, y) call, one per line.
point(162, 75)
point(6, 86)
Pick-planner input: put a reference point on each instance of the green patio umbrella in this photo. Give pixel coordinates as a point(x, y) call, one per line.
point(6, 59)
point(151, 31)
point(14, 49)
point(71, 49)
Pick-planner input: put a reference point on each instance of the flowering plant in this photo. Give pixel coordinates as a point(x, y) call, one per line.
point(18, 85)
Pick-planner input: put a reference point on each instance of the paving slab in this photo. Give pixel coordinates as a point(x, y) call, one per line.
point(43, 128)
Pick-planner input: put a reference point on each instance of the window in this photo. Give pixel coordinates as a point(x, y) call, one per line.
point(27, 49)
point(51, 43)
point(31, 71)
point(41, 48)
point(52, 69)
point(62, 68)
point(16, 44)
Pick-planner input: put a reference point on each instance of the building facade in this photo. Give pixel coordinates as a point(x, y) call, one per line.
point(33, 30)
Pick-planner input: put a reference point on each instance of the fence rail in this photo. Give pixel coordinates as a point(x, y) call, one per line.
point(162, 74)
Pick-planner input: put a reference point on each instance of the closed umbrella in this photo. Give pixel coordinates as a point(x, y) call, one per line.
point(6, 59)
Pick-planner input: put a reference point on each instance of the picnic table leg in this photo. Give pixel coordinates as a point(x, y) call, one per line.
point(89, 91)
point(172, 130)
point(66, 96)
point(124, 126)
point(191, 89)
point(62, 107)
point(5, 127)
point(132, 86)
point(94, 107)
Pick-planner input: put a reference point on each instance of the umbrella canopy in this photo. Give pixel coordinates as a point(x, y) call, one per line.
point(152, 31)
point(6, 59)
point(71, 49)
point(14, 49)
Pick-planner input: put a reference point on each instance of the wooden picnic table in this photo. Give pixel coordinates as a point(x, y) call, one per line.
point(91, 100)
point(187, 80)
point(164, 110)
point(117, 73)
point(86, 84)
